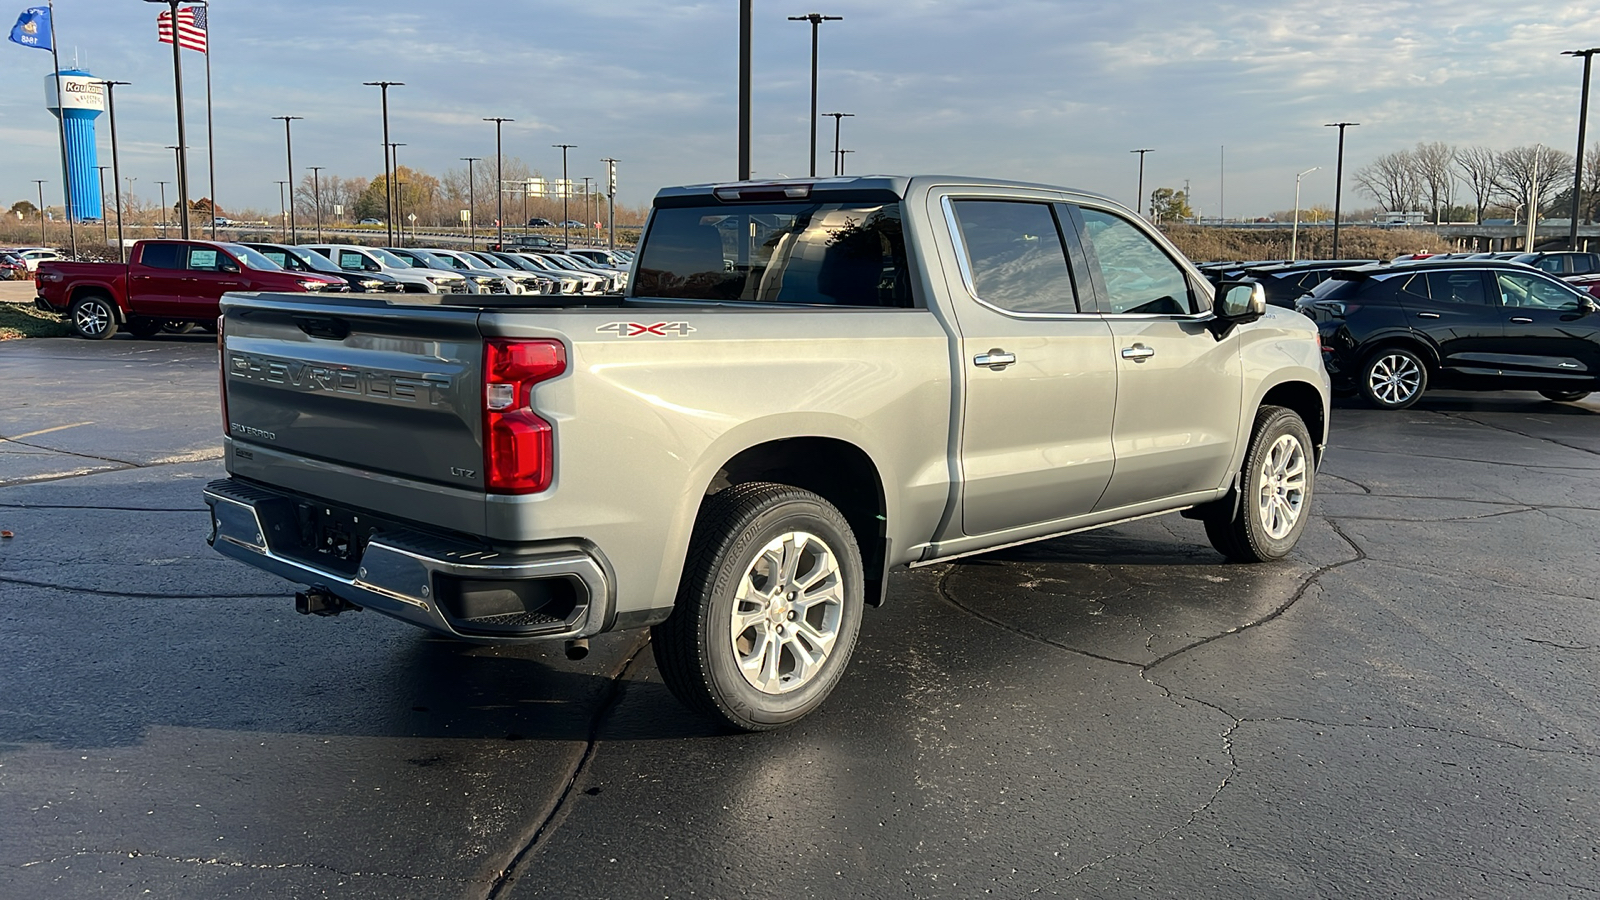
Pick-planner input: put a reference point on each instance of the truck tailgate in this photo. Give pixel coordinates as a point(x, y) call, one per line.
point(391, 391)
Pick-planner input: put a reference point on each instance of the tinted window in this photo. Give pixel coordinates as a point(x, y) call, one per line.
point(1139, 277)
point(801, 252)
point(1532, 292)
point(1015, 255)
point(283, 259)
point(1455, 287)
point(1582, 264)
point(161, 256)
point(1548, 264)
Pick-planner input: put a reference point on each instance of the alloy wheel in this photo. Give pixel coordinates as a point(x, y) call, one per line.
point(1282, 492)
point(787, 613)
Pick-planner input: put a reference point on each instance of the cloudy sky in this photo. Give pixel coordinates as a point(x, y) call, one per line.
point(1231, 97)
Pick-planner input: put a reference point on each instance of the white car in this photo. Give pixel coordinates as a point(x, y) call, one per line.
point(353, 258)
point(32, 256)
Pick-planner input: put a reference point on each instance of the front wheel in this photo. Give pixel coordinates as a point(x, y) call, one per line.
point(1564, 396)
point(93, 317)
point(1266, 522)
point(768, 608)
point(1394, 378)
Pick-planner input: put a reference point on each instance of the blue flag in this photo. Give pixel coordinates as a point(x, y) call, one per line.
point(33, 28)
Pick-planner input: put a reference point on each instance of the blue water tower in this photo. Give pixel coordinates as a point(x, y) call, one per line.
point(82, 101)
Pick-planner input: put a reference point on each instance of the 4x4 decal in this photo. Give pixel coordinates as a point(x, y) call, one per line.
point(635, 329)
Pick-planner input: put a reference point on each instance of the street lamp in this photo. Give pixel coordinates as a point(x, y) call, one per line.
point(388, 182)
point(499, 193)
point(163, 206)
point(745, 29)
point(472, 201)
point(1338, 182)
point(105, 223)
point(1583, 120)
point(116, 172)
point(1138, 201)
point(841, 160)
point(183, 142)
point(283, 214)
point(288, 149)
point(399, 195)
point(586, 180)
point(566, 192)
point(43, 239)
point(1294, 235)
point(816, 20)
point(316, 196)
point(611, 203)
point(837, 117)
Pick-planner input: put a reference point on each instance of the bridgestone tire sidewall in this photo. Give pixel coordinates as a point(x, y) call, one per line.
point(1273, 426)
point(743, 704)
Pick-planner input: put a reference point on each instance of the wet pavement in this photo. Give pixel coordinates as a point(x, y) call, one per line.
point(1408, 706)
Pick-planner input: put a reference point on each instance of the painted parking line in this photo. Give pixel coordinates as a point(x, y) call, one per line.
point(18, 437)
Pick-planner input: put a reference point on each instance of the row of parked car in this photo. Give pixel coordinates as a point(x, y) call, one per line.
point(19, 263)
point(175, 285)
point(1465, 321)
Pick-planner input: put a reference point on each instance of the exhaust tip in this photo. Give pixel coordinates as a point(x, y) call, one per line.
point(578, 649)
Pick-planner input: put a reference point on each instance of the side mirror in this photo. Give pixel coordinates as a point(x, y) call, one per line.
point(1236, 303)
point(1587, 306)
point(228, 266)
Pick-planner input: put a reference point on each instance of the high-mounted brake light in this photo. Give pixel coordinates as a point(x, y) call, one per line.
point(762, 192)
point(518, 445)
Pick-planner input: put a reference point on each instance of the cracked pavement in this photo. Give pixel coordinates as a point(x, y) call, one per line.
point(1406, 706)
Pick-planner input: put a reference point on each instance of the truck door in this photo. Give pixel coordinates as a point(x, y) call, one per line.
point(1039, 373)
point(1179, 388)
point(211, 273)
point(156, 279)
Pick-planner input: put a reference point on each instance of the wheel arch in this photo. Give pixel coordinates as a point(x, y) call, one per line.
point(1308, 403)
point(1410, 340)
point(84, 291)
point(834, 469)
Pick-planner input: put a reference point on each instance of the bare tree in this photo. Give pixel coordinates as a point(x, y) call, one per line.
point(1477, 166)
point(1433, 170)
point(1537, 173)
point(1590, 209)
point(1391, 179)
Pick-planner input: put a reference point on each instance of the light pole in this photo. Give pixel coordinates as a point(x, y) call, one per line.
point(499, 184)
point(163, 206)
point(566, 192)
point(105, 223)
point(399, 195)
point(1138, 203)
point(588, 221)
point(611, 202)
point(183, 215)
point(116, 172)
point(745, 28)
point(816, 20)
point(44, 241)
point(841, 160)
point(1583, 120)
point(283, 214)
point(1338, 182)
point(183, 142)
point(472, 201)
point(388, 182)
point(837, 117)
point(1294, 235)
point(316, 196)
point(288, 149)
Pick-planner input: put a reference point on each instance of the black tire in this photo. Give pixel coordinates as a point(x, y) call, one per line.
point(1393, 378)
point(93, 317)
point(1239, 527)
point(697, 648)
point(143, 327)
point(1564, 396)
point(177, 326)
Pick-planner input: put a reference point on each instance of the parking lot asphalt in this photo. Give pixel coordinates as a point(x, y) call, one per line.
point(1407, 706)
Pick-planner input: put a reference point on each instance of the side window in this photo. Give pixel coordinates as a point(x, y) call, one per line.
point(349, 259)
point(202, 259)
point(1581, 264)
point(1529, 292)
point(161, 256)
point(1416, 286)
point(1015, 255)
point(1551, 264)
point(1454, 287)
point(1139, 276)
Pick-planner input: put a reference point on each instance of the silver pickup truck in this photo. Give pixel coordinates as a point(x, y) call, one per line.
point(809, 383)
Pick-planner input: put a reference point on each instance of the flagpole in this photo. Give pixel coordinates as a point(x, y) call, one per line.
point(183, 143)
point(61, 129)
point(211, 137)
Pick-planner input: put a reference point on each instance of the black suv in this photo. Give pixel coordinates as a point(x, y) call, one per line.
point(1392, 331)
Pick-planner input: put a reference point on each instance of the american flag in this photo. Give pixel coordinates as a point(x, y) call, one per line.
point(191, 27)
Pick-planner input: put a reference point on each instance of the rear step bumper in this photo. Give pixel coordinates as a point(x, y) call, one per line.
point(450, 587)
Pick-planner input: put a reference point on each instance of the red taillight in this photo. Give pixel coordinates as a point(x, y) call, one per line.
point(518, 446)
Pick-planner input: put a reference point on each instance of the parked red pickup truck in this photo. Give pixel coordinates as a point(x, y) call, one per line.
point(164, 284)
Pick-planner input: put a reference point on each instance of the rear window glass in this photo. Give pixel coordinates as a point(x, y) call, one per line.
point(846, 254)
point(161, 256)
point(1339, 286)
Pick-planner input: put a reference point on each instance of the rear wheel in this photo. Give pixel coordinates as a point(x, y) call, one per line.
point(177, 326)
point(93, 317)
point(1266, 522)
point(768, 608)
point(143, 327)
point(1393, 378)
point(1564, 396)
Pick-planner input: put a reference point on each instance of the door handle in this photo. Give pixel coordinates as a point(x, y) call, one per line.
point(1138, 352)
point(995, 359)
point(1427, 315)
point(1522, 320)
